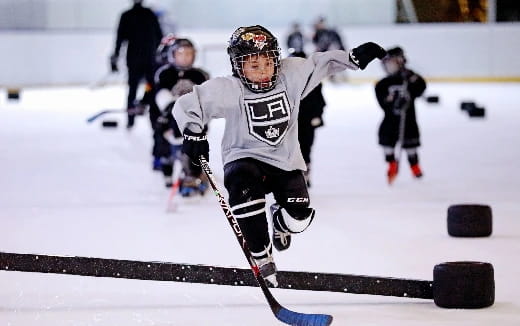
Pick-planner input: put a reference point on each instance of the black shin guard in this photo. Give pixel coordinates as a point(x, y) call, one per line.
point(255, 231)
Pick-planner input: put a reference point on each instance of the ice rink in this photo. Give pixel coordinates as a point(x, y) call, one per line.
point(72, 188)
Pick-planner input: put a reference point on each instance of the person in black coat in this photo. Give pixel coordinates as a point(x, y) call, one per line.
point(396, 94)
point(139, 28)
point(326, 38)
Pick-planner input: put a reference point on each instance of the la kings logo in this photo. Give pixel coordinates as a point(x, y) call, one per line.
point(268, 117)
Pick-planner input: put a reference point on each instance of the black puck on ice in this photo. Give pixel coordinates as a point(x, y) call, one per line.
point(464, 285)
point(13, 94)
point(477, 112)
point(467, 106)
point(432, 99)
point(470, 220)
point(109, 124)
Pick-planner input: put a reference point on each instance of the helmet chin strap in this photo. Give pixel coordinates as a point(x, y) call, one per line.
point(259, 87)
point(262, 85)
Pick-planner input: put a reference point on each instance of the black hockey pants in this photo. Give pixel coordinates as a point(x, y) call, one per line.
point(248, 181)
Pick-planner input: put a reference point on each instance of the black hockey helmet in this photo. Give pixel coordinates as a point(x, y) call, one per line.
point(177, 45)
point(394, 61)
point(250, 41)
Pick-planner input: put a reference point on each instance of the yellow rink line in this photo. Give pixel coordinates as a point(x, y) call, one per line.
point(348, 79)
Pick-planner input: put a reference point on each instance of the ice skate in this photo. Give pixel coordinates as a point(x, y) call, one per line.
point(268, 270)
point(393, 168)
point(281, 236)
point(416, 170)
point(168, 181)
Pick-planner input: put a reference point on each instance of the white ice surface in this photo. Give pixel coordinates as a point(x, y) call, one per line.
point(72, 188)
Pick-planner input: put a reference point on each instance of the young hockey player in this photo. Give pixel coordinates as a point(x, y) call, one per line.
point(173, 80)
point(260, 150)
point(396, 94)
point(161, 147)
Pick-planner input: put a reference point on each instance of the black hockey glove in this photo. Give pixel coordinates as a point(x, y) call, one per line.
point(362, 55)
point(113, 63)
point(195, 145)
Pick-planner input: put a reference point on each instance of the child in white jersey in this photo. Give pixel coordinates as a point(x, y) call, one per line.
point(260, 149)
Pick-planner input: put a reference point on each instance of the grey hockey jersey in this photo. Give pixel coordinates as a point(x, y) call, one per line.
point(263, 126)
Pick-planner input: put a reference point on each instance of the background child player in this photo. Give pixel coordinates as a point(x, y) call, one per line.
point(396, 94)
point(172, 81)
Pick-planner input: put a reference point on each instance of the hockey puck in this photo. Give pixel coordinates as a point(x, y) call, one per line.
point(109, 124)
point(432, 99)
point(469, 221)
point(463, 285)
point(13, 94)
point(477, 112)
point(466, 106)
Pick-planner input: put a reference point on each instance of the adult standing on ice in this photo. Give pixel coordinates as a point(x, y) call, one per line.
point(139, 29)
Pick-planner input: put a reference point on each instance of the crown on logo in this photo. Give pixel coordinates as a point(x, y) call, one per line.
point(272, 132)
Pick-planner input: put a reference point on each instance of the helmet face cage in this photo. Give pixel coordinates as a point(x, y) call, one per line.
point(247, 43)
point(257, 87)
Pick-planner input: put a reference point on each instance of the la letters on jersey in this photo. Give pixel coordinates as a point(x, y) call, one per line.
point(268, 117)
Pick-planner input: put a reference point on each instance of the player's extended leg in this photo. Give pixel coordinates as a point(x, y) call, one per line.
point(413, 159)
point(161, 148)
point(134, 76)
point(244, 181)
point(291, 212)
point(393, 166)
point(167, 170)
point(149, 92)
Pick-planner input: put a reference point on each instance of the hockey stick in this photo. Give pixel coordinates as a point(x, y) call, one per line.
point(402, 120)
point(132, 111)
point(282, 314)
point(103, 112)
